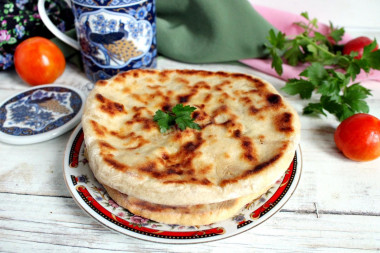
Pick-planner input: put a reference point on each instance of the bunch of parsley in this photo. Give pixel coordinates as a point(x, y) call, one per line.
point(330, 73)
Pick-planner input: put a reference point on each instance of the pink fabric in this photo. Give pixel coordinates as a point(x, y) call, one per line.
point(284, 21)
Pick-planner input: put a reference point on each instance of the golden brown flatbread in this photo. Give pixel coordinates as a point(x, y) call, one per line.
point(247, 140)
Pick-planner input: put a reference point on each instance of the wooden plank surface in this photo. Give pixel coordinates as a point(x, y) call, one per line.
point(56, 223)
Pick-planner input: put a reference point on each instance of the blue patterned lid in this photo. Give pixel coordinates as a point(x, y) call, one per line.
point(40, 113)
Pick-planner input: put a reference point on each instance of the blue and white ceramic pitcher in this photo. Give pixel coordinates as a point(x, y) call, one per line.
point(113, 35)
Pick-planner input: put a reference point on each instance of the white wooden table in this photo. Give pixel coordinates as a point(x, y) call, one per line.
point(335, 207)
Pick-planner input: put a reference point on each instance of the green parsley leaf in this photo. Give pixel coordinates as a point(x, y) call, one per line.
point(180, 110)
point(180, 116)
point(314, 109)
point(354, 96)
point(336, 34)
point(316, 73)
point(356, 92)
point(164, 120)
point(353, 68)
point(305, 15)
point(294, 54)
point(374, 59)
point(302, 87)
point(277, 63)
point(183, 122)
point(275, 46)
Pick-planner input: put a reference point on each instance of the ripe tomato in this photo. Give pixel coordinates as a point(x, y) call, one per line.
point(39, 61)
point(357, 45)
point(358, 137)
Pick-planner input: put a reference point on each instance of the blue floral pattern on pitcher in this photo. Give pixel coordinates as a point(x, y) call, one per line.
point(114, 42)
point(107, 3)
point(115, 35)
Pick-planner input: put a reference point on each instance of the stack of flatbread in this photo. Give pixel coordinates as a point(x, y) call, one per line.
point(247, 140)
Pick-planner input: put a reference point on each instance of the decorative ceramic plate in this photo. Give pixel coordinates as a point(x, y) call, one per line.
point(40, 113)
point(92, 197)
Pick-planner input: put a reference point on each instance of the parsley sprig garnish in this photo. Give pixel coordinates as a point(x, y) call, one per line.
point(329, 74)
point(180, 116)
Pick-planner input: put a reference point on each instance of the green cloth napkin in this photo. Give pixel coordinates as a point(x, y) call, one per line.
point(208, 31)
point(203, 31)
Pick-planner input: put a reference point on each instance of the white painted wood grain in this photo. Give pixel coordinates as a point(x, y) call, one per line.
point(54, 223)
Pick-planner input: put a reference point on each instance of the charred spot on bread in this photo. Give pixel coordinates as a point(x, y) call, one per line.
point(115, 164)
point(274, 99)
point(99, 130)
point(108, 106)
point(284, 122)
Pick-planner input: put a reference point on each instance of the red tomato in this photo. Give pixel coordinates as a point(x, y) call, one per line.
point(39, 61)
point(357, 45)
point(358, 137)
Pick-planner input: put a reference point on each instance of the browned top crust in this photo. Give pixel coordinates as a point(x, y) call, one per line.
point(247, 139)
